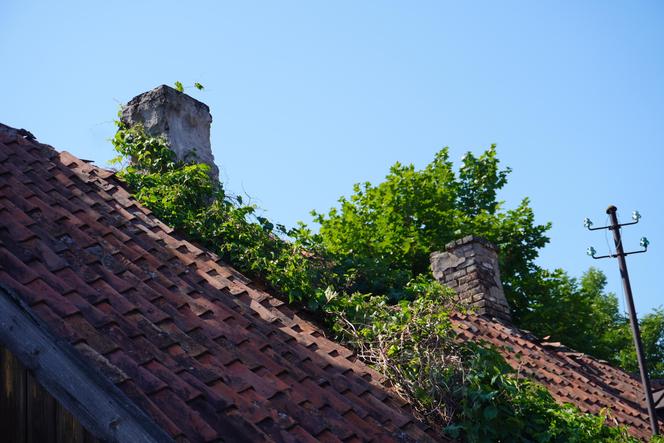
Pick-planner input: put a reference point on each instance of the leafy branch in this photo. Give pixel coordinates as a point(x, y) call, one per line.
point(180, 87)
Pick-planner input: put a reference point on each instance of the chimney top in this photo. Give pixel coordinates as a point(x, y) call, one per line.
point(470, 239)
point(182, 120)
point(470, 267)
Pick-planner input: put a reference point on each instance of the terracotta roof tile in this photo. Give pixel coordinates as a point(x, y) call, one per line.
point(187, 338)
point(571, 377)
point(195, 345)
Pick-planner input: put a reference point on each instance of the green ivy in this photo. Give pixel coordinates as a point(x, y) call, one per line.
point(184, 196)
point(466, 387)
point(466, 390)
point(499, 406)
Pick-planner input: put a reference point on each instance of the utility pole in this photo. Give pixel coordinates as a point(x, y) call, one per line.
point(622, 264)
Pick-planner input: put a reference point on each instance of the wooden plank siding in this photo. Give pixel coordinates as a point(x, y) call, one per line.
point(28, 413)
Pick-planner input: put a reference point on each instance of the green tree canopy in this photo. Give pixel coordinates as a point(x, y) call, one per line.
point(382, 235)
point(652, 334)
point(583, 316)
point(380, 238)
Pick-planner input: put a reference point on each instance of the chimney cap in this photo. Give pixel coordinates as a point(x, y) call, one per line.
point(164, 91)
point(470, 239)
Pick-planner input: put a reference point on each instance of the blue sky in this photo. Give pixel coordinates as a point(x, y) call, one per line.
point(311, 97)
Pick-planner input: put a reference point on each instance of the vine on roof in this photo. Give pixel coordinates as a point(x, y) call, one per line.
point(465, 390)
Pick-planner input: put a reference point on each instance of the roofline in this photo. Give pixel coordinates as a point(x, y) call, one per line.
point(98, 404)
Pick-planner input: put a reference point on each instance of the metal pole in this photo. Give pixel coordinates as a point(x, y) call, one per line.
point(620, 253)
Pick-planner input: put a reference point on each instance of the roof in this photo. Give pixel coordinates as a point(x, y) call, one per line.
point(203, 352)
point(194, 345)
point(658, 398)
point(570, 376)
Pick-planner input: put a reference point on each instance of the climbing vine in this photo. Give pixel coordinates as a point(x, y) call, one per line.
point(180, 87)
point(466, 390)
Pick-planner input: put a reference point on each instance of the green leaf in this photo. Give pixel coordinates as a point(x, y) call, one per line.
point(179, 87)
point(490, 412)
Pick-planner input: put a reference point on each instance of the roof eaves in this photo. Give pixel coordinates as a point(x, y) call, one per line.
point(99, 405)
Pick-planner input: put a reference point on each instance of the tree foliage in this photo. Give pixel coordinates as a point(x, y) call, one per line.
point(366, 275)
point(383, 235)
point(381, 238)
point(583, 316)
point(652, 335)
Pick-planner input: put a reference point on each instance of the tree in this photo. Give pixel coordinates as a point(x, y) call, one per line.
point(652, 335)
point(583, 316)
point(577, 315)
point(381, 236)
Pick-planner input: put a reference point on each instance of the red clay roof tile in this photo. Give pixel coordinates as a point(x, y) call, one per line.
point(186, 337)
point(571, 377)
point(195, 345)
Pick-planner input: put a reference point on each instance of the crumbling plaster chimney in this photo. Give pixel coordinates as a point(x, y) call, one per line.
point(470, 267)
point(182, 120)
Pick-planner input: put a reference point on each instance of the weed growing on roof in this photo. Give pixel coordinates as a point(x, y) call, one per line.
point(463, 389)
point(180, 87)
point(466, 389)
point(183, 196)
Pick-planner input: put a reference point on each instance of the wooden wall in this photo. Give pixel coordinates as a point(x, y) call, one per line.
point(28, 413)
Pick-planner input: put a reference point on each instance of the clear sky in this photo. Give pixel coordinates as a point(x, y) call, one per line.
point(309, 97)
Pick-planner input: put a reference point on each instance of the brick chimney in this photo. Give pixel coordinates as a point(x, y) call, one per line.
point(470, 267)
point(182, 120)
